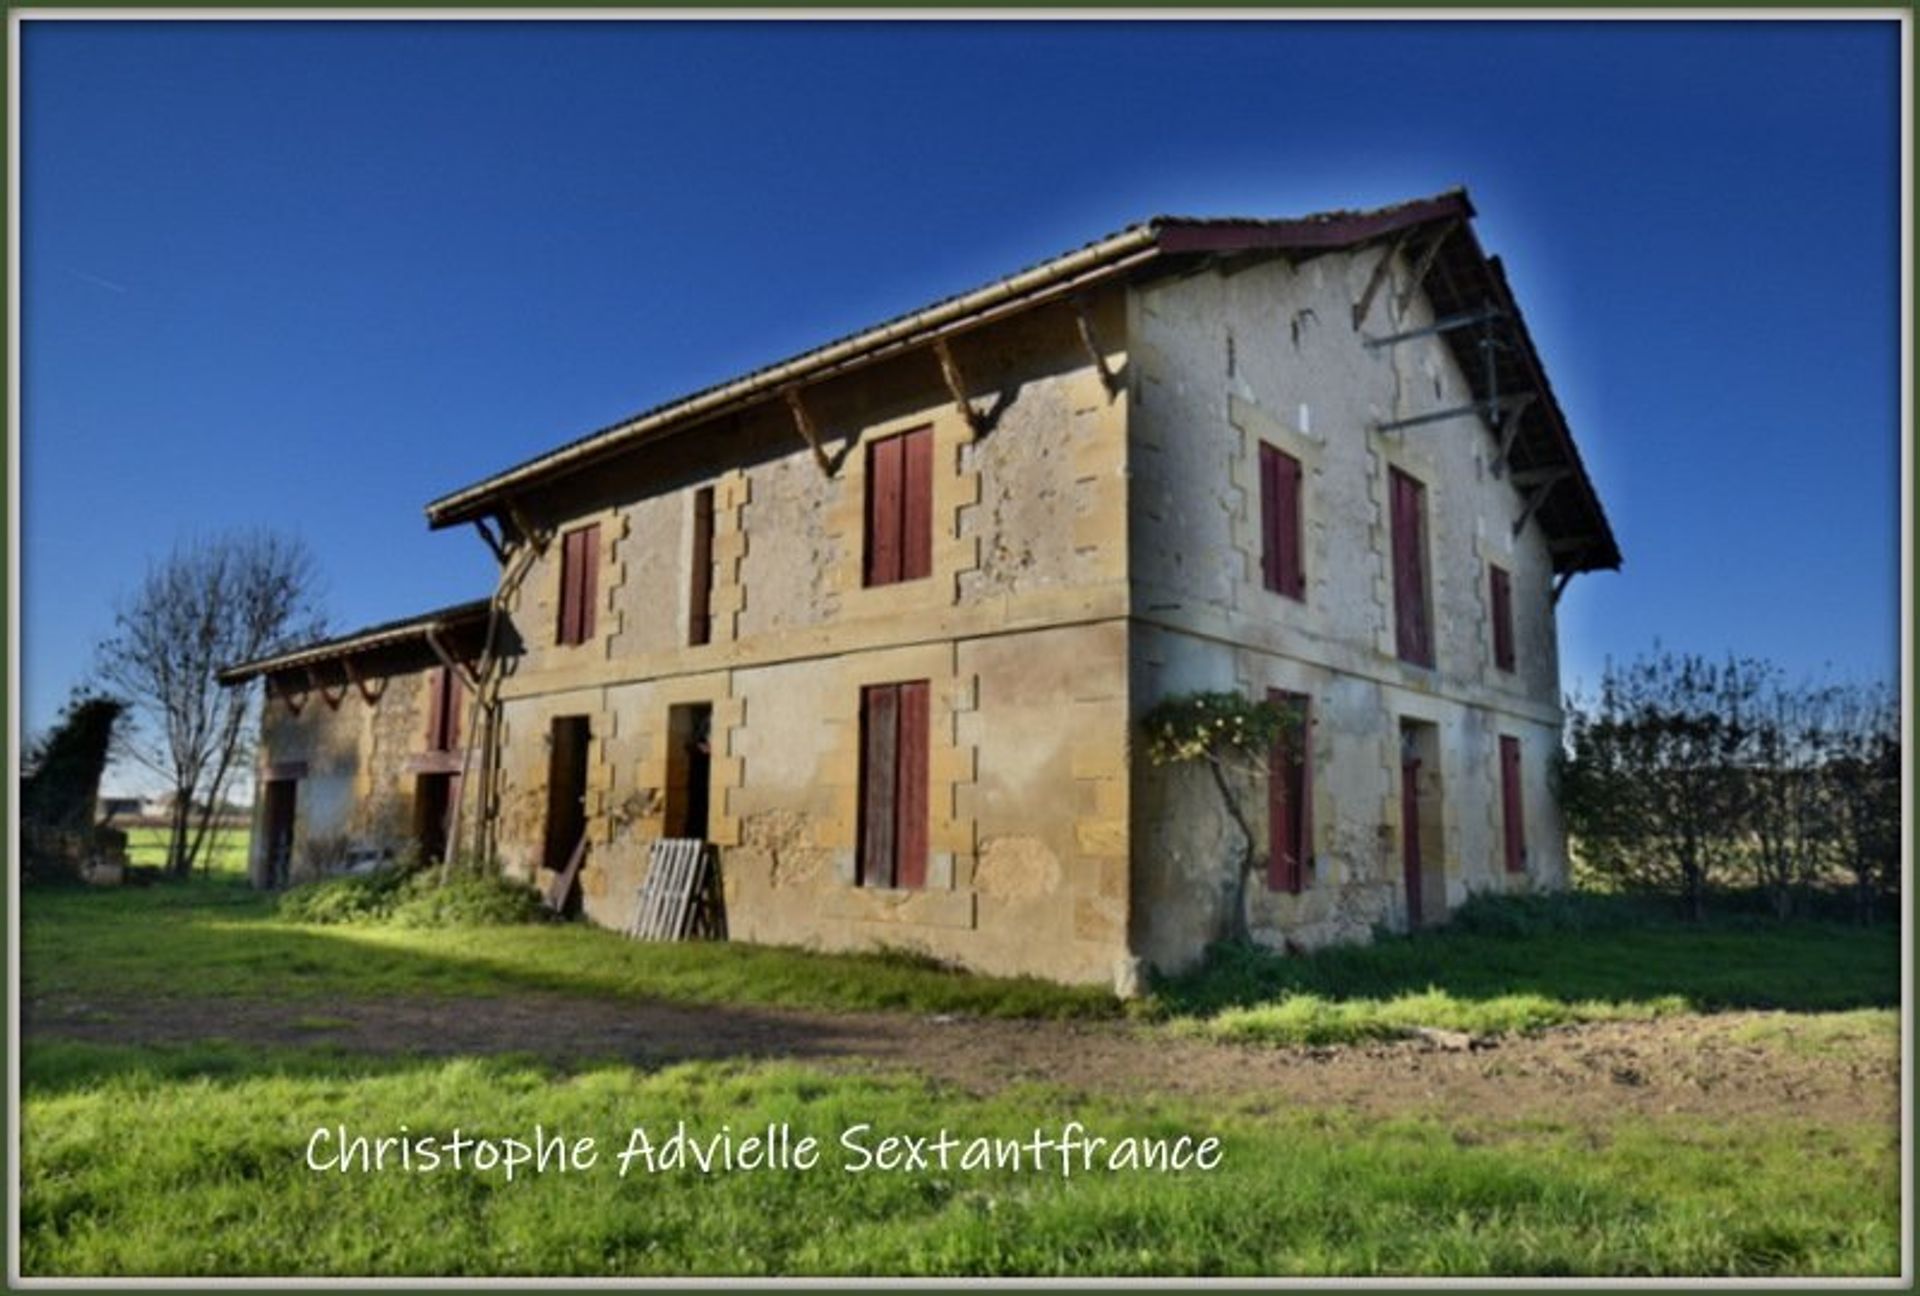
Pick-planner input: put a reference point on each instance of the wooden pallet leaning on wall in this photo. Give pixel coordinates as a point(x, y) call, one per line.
point(678, 899)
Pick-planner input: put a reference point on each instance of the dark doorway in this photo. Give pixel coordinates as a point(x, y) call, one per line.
point(1410, 832)
point(689, 769)
point(434, 798)
point(1423, 844)
point(281, 797)
point(566, 789)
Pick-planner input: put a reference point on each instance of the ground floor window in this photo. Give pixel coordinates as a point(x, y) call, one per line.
point(893, 784)
point(1289, 795)
point(1512, 804)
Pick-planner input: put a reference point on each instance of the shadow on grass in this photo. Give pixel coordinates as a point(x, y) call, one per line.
point(217, 938)
point(1573, 948)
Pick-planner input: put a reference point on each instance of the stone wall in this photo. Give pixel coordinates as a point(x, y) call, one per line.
point(1221, 364)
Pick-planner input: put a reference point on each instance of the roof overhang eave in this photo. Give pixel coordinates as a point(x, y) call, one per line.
point(1064, 276)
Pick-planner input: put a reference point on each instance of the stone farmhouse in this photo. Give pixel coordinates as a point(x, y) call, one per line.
point(880, 621)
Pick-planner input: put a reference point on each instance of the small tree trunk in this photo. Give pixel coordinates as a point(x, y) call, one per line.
point(179, 861)
point(1242, 932)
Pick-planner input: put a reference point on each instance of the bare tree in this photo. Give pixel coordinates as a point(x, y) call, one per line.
point(211, 603)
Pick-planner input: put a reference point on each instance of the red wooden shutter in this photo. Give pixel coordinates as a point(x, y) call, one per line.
point(700, 602)
point(589, 579)
point(1293, 575)
point(894, 755)
point(916, 504)
point(1512, 804)
point(879, 746)
point(1412, 634)
point(885, 492)
point(1290, 795)
point(1502, 599)
point(437, 709)
point(910, 798)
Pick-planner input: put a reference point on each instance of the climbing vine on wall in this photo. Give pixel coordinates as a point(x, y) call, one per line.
point(1232, 737)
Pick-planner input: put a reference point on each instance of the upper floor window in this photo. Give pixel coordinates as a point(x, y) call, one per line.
point(445, 696)
point(1412, 621)
point(700, 600)
point(579, 583)
point(900, 508)
point(1282, 564)
point(1500, 602)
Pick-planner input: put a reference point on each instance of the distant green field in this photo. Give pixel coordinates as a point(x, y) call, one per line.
point(226, 849)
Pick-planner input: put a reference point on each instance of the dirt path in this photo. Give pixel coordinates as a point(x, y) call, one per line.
point(1692, 1065)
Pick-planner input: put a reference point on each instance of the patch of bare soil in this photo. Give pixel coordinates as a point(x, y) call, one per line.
point(1703, 1066)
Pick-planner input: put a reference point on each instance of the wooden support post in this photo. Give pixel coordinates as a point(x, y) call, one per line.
point(1536, 499)
point(1560, 584)
point(1428, 255)
point(1090, 340)
point(1509, 429)
point(1374, 281)
point(332, 695)
point(371, 690)
point(461, 670)
point(956, 386)
point(528, 532)
point(803, 423)
point(496, 544)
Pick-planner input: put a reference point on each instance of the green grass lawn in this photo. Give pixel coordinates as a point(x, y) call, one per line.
point(187, 1159)
point(192, 1161)
point(225, 854)
point(217, 937)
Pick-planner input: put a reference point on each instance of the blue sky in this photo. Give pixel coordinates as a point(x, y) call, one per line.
point(311, 275)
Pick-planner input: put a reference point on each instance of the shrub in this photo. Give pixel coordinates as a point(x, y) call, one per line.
point(347, 898)
point(465, 900)
point(404, 895)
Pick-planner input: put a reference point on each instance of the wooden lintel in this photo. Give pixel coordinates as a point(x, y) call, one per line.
point(1374, 281)
point(370, 689)
point(461, 671)
point(1428, 255)
point(1510, 429)
point(1534, 501)
point(956, 385)
point(803, 424)
point(1090, 341)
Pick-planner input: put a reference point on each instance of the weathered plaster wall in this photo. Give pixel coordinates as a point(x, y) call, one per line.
point(1220, 364)
point(1019, 628)
point(351, 753)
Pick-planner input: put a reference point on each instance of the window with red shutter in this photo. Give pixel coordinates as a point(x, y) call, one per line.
point(899, 508)
point(700, 599)
point(1501, 601)
point(1290, 795)
point(894, 741)
point(1282, 560)
point(579, 583)
point(1412, 626)
point(1512, 804)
